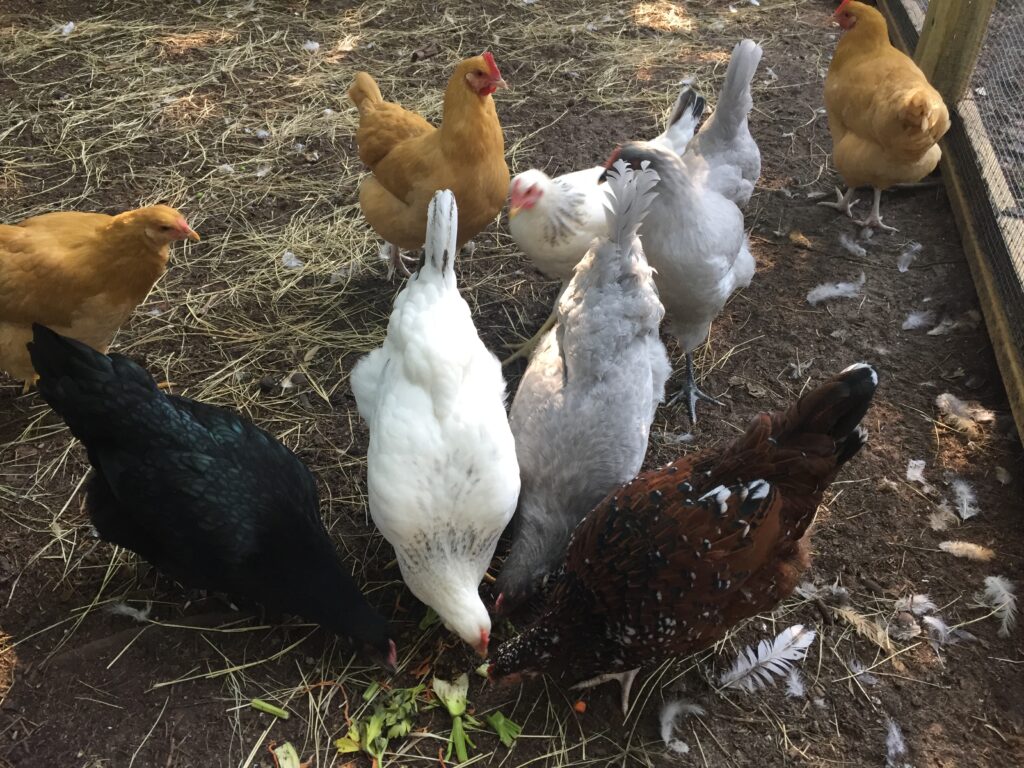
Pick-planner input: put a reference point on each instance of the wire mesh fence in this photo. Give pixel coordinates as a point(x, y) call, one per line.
point(993, 116)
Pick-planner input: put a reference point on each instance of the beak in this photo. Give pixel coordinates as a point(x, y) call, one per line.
point(193, 236)
point(499, 83)
point(513, 211)
point(485, 640)
point(603, 177)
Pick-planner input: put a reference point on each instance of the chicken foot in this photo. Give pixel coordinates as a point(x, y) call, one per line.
point(692, 392)
point(843, 203)
point(525, 349)
point(396, 261)
point(875, 217)
point(625, 679)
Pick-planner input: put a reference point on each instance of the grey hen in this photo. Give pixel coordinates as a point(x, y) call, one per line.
point(725, 140)
point(583, 411)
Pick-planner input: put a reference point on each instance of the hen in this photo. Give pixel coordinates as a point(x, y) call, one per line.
point(724, 139)
point(442, 472)
point(885, 118)
point(410, 159)
point(584, 407)
point(82, 274)
point(668, 563)
point(554, 221)
point(201, 493)
point(694, 239)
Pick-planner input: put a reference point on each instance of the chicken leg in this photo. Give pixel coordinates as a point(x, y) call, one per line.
point(875, 218)
point(692, 392)
point(392, 254)
point(842, 203)
point(525, 349)
point(625, 679)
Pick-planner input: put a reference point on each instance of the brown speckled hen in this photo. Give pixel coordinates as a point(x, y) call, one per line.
point(668, 563)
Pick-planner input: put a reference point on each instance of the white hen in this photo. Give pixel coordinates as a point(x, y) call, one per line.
point(554, 221)
point(442, 472)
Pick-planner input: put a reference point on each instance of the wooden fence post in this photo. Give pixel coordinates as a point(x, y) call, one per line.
point(950, 41)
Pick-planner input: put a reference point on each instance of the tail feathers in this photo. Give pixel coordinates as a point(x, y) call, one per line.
point(442, 231)
point(364, 91)
point(81, 384)
point(682, 121)
point(630, 193)
point(735, 101)
point(835, 408)
point(925, 115)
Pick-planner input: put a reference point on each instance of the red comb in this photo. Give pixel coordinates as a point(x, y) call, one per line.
point(495, 72)
point(841, 6)
point(612, 158)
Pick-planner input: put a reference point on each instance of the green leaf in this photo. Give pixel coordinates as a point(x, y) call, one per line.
point(430, 618)
point(286, 756)
point(351, 742)
point(482, 669)
point(507, 731)
point(453, 694)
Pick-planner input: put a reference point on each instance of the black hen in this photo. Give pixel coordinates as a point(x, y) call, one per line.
point(201, 493)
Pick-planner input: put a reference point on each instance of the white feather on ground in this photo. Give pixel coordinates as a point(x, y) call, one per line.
point(907, 256)
point(669, 717)
point(915, 471)
point(895, 747)
point(918, 605)
point(1003, 475)
point(754, 670)
point(854, 249)
point(999, 595)
point(827, 291)
point(919, 319)
point(967, 550)
point(140, 615)
point(966, 502)
point(940, 634)
point(861, 672)
point(795, 684)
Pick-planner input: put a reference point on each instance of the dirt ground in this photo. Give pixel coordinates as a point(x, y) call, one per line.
point(144, 101)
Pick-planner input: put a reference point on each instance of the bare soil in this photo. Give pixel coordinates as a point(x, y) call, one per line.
point(94, 689)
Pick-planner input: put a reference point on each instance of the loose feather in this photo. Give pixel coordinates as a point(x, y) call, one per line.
point(966, 501)
point(795, 684)
point(919, 605)
point(999, 595)
point(895, 747)
point(753, 671)
point(921, 319)
point(669, 717)
point(967, 550)
point(826, 291)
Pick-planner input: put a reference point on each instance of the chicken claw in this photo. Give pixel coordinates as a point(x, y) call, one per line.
point(692, 392)
point(392, 254)
point(525, 349)
point(843, 203)
point(874, 219)
point(625, 679)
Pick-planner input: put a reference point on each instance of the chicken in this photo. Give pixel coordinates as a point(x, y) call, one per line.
point(666, 565)
point(885, 118)
point(410, 160)
point(82, 274)
point(201, 493)
point(725, 140)
point(555, 221)
point(441, 467)
point(694, 239)
point(584, 407)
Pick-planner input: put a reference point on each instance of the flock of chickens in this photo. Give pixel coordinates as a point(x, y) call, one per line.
point(626, 570)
